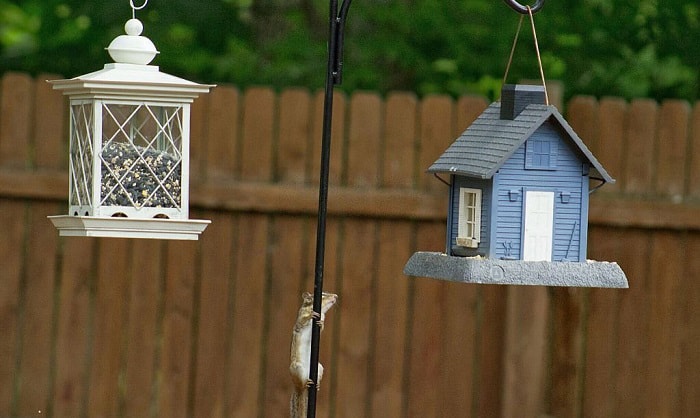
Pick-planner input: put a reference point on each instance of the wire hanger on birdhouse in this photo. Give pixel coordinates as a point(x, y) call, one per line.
point(530, 11)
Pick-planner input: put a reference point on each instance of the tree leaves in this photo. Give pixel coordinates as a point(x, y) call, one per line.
point(600, 47)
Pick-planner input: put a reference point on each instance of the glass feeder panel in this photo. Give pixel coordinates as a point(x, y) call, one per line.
point(81, 154)
point(141, 155)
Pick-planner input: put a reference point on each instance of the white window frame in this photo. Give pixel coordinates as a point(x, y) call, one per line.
point(469, 222)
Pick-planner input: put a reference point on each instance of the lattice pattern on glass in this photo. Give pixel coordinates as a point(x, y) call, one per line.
point(81, 158)
point(141, 155)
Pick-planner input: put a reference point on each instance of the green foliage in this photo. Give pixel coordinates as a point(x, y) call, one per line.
point(641, 48)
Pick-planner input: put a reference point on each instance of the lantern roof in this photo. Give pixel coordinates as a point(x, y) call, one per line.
point(131, 76)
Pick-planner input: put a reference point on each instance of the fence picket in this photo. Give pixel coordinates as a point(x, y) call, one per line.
point(175, 352)
point(50, 139)
point(601, 331)
point(641, 128)
point(337, 138)
point(672, 152)
point(40, 264)
point(611, 143)
point(108, 316)
point(71, 350)
point(222, 126)
point(283, 301)
point(214, 277)
point(293, 136)
point(665, 277)
point(246, 352)
point(633, 368)
point(15, 119)
point(689, 393)
point(426, 344)
point(436, 134)
point(257, 134)
point(11, 244)
point(146, 299)
point(693, 154)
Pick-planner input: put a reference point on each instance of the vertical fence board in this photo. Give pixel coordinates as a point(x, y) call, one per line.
point(246, 354)
point(258, 128)
point(337, 137)
point(488, 396)
point(111, 289)
point(694, 153)
point(641, 129)
point(216, 246)
point(15, 119)
point(690, 355)
point(392, 290)
point(353, 364)
point(329, 353)
point(601, 332)
point(327, 399)
point(35, 358)
point(436, 134)
point(664, 349)
point(426, 345)
point(459, 347)
point(222, 132)
point(145, 301)
point(583, 116)
point(364, 140)
point(399, 148)
point(568, 311)
point(468, 109)
point(633, 373)
point(460, 312)
point(358, 261)
point(174, 367)
point(293, 136)
point(73, 322)
point(390, 320)
point(198, 137)
point(11, 247)
point(611, 145)
point(527, 312)
point(50, 141)
point(287, 261)
point(672, 152)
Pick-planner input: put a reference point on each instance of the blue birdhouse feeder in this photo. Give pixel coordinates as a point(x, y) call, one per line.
point(520, 178)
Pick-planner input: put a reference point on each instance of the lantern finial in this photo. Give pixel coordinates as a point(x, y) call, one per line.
point(132, 48)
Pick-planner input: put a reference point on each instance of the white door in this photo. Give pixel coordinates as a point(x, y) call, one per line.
point(539, 223)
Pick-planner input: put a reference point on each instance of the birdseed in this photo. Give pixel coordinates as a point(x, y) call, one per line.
point(141, 177)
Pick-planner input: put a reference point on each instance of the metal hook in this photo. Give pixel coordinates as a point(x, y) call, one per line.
point(524, 9)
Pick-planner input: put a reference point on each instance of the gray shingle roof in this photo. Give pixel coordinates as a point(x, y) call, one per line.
point(488, 142)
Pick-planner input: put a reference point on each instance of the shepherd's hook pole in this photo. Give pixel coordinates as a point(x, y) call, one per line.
point(333, 77)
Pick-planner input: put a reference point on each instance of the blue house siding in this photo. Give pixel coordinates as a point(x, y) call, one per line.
point(565, 180)
point(486, 210)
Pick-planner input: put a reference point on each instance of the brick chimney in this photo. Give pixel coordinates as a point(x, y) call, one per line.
point(515, 97)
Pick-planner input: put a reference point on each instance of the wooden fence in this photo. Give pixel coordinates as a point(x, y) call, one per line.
point(145, 328)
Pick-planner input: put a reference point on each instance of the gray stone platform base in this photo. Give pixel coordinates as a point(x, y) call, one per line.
point(542, 273)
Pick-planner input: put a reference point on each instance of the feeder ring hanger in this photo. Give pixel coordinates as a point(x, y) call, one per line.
point(525, 9)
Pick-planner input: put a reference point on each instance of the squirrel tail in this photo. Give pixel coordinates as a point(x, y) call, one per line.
point(299, 404)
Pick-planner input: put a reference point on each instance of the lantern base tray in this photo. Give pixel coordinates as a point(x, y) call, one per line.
point(93, 226)
point(488, 271)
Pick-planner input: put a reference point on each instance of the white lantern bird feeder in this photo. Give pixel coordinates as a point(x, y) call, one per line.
point(129, 147)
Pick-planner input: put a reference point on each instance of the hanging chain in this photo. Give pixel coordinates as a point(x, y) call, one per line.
point(134, 8)
point(537, 50)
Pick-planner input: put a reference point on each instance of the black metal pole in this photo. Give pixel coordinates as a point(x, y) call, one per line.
point(333, 77)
